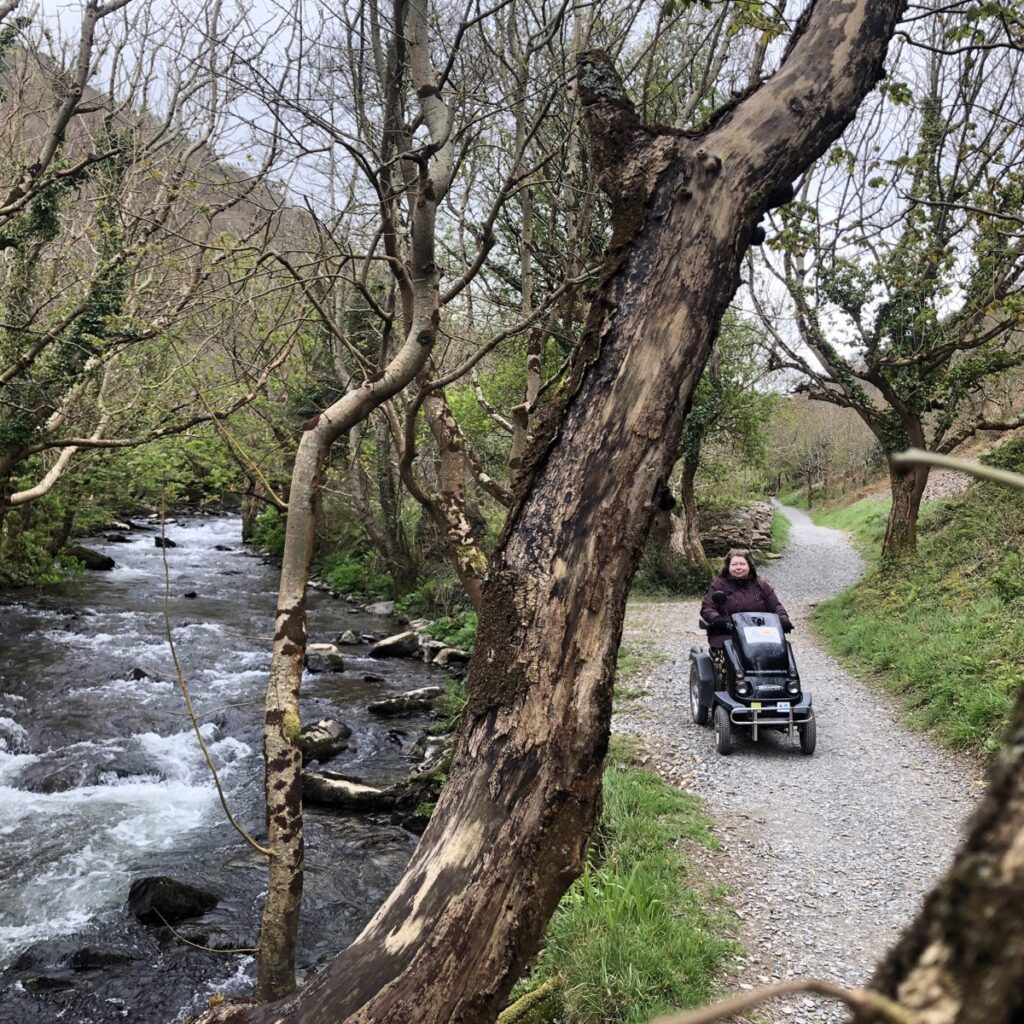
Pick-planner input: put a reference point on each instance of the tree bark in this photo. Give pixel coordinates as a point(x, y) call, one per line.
point(908, 487)
point(688, 534)
point(962, 960)
point(512, 826)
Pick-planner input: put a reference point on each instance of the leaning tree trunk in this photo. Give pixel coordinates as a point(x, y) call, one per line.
point(908, 486)
point(512, 826)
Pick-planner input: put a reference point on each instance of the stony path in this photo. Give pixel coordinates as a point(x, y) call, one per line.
point(827, 857)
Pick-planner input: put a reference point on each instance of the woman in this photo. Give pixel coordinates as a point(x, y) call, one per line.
point(744, 592)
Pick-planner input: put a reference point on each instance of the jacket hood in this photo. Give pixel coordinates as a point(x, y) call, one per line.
point(741, 553)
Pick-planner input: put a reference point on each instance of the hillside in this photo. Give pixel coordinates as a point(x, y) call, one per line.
point(946, 632)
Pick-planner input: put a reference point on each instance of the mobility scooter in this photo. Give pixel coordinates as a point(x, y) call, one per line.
point(754, 686)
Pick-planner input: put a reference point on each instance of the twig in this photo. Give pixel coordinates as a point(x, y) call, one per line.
point(917, 457)
point(199, 946)
point(861, 1001)
point(193, 717)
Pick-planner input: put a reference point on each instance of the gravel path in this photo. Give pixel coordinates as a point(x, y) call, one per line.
point(827, 857)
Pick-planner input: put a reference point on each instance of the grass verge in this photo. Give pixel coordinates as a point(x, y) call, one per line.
point(636, 935)
point(780, 532)
point(945, 630)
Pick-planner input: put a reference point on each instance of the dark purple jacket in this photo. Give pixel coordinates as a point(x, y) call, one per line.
point(749, 595)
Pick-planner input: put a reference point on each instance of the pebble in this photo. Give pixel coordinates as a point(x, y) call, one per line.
point(825, 858)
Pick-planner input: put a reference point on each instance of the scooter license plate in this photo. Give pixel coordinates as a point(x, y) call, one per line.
point(783, 705)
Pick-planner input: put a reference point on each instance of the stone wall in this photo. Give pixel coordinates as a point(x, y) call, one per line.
point(747, 527)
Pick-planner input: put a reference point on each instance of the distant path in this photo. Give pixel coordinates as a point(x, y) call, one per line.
point(826, 857)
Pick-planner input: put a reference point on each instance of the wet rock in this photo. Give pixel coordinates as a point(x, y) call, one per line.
point(347, 638)
point(164, 542)
point(372, 677)
point(96, 958)
point(423, 699)
point(137, 674)
point(451, 656)
point(320, 789)
point(323, 740)
point(116, 538)
point(367, 638)
point(48, 982)
point(419, 624)
point(380, 608)
point(430, 649)
point(164, 900)
point(190, 595)
point(401, 645)
point(91, 559)
point(222, 547)
point(324, 658)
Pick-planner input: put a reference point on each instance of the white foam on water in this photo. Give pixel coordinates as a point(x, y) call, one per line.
point(11, 766)
point(13, 737)
point(75, 849)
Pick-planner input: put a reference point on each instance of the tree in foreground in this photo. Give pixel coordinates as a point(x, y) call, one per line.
point(513, 824)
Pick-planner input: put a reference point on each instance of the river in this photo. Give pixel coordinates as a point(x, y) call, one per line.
point(102, 780)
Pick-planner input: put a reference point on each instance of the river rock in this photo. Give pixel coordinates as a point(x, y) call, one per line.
point(191, 595)
point(419, 624)
point(451, 656)
point(325, 789)
point(422, 699)
point(222, 547)
point(380, 608)
point(430, 649)
point(91, 559)
point(96, 958)
point(116, 538)
point(323, 740)
point(347, 638)
point(164, 542)
point(401, 645)
point(163, 900)
point(324, 658)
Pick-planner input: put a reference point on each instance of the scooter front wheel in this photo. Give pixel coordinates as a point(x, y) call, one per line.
point(723, 730)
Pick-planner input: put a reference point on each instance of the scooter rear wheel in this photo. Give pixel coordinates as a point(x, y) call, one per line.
point(700, 711)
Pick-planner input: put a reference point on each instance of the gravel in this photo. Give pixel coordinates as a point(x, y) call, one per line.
point(825, 858)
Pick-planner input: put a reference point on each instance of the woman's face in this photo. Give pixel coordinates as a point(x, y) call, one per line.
point(739, 567)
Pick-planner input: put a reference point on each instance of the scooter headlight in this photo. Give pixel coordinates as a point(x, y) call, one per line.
point(742, 687)
point(793, 686)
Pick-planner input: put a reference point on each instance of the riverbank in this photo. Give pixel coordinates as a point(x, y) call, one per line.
point(102, 781)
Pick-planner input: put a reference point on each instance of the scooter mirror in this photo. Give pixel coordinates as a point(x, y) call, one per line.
point(719, 598)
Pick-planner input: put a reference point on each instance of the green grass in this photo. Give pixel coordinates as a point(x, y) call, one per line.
point(780, 532)
point(636, 935)
point(795, 499)
point(945, 629)
point(864, 519)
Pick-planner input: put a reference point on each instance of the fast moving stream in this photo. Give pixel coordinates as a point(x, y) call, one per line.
point(102, 780)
